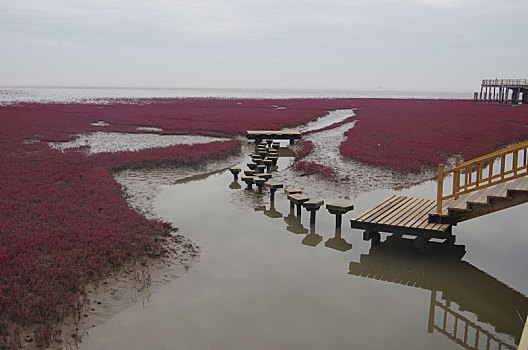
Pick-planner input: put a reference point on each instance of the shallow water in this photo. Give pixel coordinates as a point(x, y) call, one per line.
point(267, 280)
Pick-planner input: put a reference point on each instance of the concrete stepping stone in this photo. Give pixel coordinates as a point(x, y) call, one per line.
point(273, 187)
point(312, 206)
point(338, 210)
point(235, 172)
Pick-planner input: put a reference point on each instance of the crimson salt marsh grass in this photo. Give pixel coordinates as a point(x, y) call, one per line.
point(64, 221)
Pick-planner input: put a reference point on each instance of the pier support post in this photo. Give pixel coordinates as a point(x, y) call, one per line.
point(525, 97)
point(515, 96)
point(373, 236)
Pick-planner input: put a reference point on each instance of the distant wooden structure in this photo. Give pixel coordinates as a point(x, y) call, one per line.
point(503, 91)
point(480, 186)
point(259, 135)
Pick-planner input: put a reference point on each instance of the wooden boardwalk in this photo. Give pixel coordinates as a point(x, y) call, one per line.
point(480, 186)
point(259, 135)
point(402, 215)
point(481, 202)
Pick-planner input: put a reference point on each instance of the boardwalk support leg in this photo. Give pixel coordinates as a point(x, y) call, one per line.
point(373, 236)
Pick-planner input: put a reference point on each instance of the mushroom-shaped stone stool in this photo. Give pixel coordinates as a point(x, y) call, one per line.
point(273, 159)
point(268, 163)
point(259, 181)
point(297, 199)
point(273, 186)
point(312, 206)
point(249, 180)
point(266, 176)
point(338, 210)
point(235, 172)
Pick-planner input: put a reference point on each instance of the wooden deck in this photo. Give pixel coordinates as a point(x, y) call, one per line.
point(402, 215)
point(259, 135)
point(484, 201)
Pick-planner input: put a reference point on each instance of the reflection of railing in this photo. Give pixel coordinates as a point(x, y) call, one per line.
point(504, 82)
point(464, 181)
point(473, 336)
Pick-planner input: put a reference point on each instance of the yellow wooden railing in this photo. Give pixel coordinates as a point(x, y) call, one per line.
point(504, 165)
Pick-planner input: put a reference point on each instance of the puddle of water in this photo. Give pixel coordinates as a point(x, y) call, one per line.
point(265, 281)
point(118, 142)
point(268, 280)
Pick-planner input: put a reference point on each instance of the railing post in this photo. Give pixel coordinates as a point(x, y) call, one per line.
point(490, 165)
point(515, 162)
point(440, 189)
point(479, 175)
point(503, 166)
point(456, 177)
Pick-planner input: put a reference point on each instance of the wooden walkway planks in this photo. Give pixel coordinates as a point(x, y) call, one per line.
point(399, 214)
point(466, 202)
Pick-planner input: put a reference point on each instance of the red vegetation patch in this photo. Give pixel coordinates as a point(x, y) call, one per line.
point(309, 168)
point(306, 149)
point(408, 135)
point(63, 221)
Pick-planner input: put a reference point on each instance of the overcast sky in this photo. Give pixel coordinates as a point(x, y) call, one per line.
point(438, 45)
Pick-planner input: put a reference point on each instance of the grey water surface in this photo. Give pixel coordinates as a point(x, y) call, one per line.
point(267, 280)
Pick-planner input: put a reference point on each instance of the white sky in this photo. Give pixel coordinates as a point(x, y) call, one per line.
point(439, 45)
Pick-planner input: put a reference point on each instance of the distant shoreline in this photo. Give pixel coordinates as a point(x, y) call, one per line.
point(11, 95)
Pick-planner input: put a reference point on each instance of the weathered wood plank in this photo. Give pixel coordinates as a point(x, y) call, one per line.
point(418, 213)
point(394, 210)
point(368, 211)
point(387, 207)
point(419, 206)
point(404, 207)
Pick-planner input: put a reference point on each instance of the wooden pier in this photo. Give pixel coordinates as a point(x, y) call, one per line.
point(259, 135)
point(479, 186)
point(401, 215)
point(512, 91)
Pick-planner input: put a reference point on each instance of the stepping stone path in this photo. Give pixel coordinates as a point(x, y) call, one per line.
point(338, 210)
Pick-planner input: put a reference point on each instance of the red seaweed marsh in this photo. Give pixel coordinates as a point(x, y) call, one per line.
point(122, 227)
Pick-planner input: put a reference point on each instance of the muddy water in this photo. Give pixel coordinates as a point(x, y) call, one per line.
point(267, 280)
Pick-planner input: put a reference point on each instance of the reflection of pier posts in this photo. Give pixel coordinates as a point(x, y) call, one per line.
point(453, 321)
point(467, 305)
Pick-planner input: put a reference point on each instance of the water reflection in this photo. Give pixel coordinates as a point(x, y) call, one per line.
point(337, 242)
point(272, 212)
point(312, 239)
point(467, 305)
point(294, 224)
point(234, 185)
